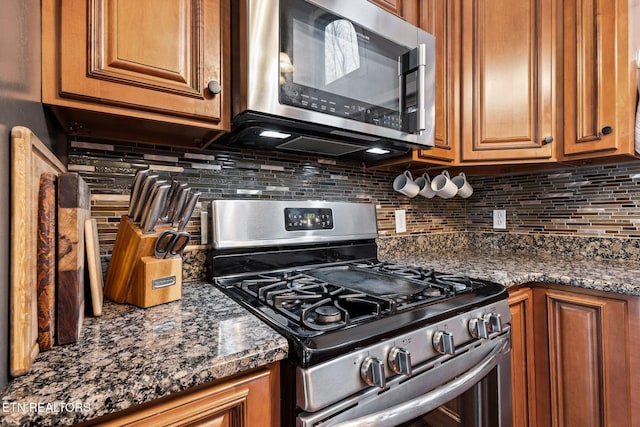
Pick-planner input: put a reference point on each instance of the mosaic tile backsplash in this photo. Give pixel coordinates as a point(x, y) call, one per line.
point(601, 203)
point(109, 167)
point(592, 201)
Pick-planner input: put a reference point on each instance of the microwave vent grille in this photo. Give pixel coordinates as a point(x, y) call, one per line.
point(322, 146)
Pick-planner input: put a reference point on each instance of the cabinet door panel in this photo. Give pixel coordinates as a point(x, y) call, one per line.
point(589, 76)
point(507, 90)
point(146, 55)
point(244, 401)
point(587, 360)
point(522, 358)
point(164, 58)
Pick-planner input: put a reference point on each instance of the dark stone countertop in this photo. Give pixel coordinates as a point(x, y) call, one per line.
point(130, 356)
point(510, 269)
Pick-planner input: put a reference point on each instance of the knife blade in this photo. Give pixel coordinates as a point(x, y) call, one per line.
point(153, 210)
point(145, 192)
point(171, 212)
point(165, 210)
point(135, 189)
point(182, 198)
point(187, 210)
point(149, 199)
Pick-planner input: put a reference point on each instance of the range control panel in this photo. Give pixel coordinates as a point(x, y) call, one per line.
point(308, 219)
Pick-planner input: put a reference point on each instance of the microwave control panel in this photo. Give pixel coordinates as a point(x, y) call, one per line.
point(308, 219)
point(336, 105)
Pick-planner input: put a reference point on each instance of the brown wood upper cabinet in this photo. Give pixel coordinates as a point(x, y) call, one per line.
point(507, 106)
point(164, 62)
point(497, 92)
point(534, 81)
point(438, 17)
point(599, 82)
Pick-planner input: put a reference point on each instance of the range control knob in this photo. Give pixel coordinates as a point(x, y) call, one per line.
point(400, 361)
point(443, 342)
point(372, 372)
point(478, 328)
point(494, 322)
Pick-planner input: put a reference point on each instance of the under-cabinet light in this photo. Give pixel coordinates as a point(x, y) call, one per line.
point(376, 150)
point(274, 134)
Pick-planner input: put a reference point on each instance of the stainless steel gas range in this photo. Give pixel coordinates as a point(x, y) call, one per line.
point(371, 343)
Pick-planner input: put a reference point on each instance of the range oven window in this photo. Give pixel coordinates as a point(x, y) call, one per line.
point(332, 65)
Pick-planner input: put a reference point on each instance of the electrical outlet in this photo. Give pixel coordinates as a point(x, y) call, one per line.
point(499, 219)
point(401, 220)
point(204, 226)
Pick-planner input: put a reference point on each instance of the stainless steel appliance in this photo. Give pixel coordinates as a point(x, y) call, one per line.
point(371, 343)
point(330, 78)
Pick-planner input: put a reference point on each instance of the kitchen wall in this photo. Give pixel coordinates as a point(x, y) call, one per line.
point(109, 166)
point(590, 211)
point(601, 201)
point(19, 105)
point(585, 212)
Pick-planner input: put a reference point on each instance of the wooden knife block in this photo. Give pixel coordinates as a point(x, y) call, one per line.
point(127, 275)
point(156, 281)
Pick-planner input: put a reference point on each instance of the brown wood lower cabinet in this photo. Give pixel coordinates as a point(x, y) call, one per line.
point(522, 358)
point(586, 357)
point(250, 400)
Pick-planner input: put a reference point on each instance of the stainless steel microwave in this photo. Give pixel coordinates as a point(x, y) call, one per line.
point(330, 78)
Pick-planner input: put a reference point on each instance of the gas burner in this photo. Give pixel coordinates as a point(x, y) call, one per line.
point(324, 315)
point(289, 304)
point(456, 282)
point(301, 282)
point(432, 292)
point(327, 314)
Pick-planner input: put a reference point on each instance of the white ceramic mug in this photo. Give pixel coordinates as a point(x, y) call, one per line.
point(464, 188)
point(424, 183)
point(404, 184)
point(443, 186)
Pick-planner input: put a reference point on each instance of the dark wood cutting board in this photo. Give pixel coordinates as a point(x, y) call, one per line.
point(74, 207)
point(46, 267)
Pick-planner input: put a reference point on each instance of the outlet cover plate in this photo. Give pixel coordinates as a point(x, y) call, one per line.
point(499, 219)
point(401, 220)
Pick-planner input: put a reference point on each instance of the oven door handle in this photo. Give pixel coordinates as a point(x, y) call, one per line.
point(407, 411)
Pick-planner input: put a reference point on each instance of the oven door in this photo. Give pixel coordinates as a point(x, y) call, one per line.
point(472, 388)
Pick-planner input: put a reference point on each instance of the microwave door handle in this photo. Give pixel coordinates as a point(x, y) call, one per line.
point(414, 408)
point(413, 117)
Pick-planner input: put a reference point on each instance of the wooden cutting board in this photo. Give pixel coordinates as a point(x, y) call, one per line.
point(94, 267)
point(46, 267)
point(29, 159)
point(74, 207)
